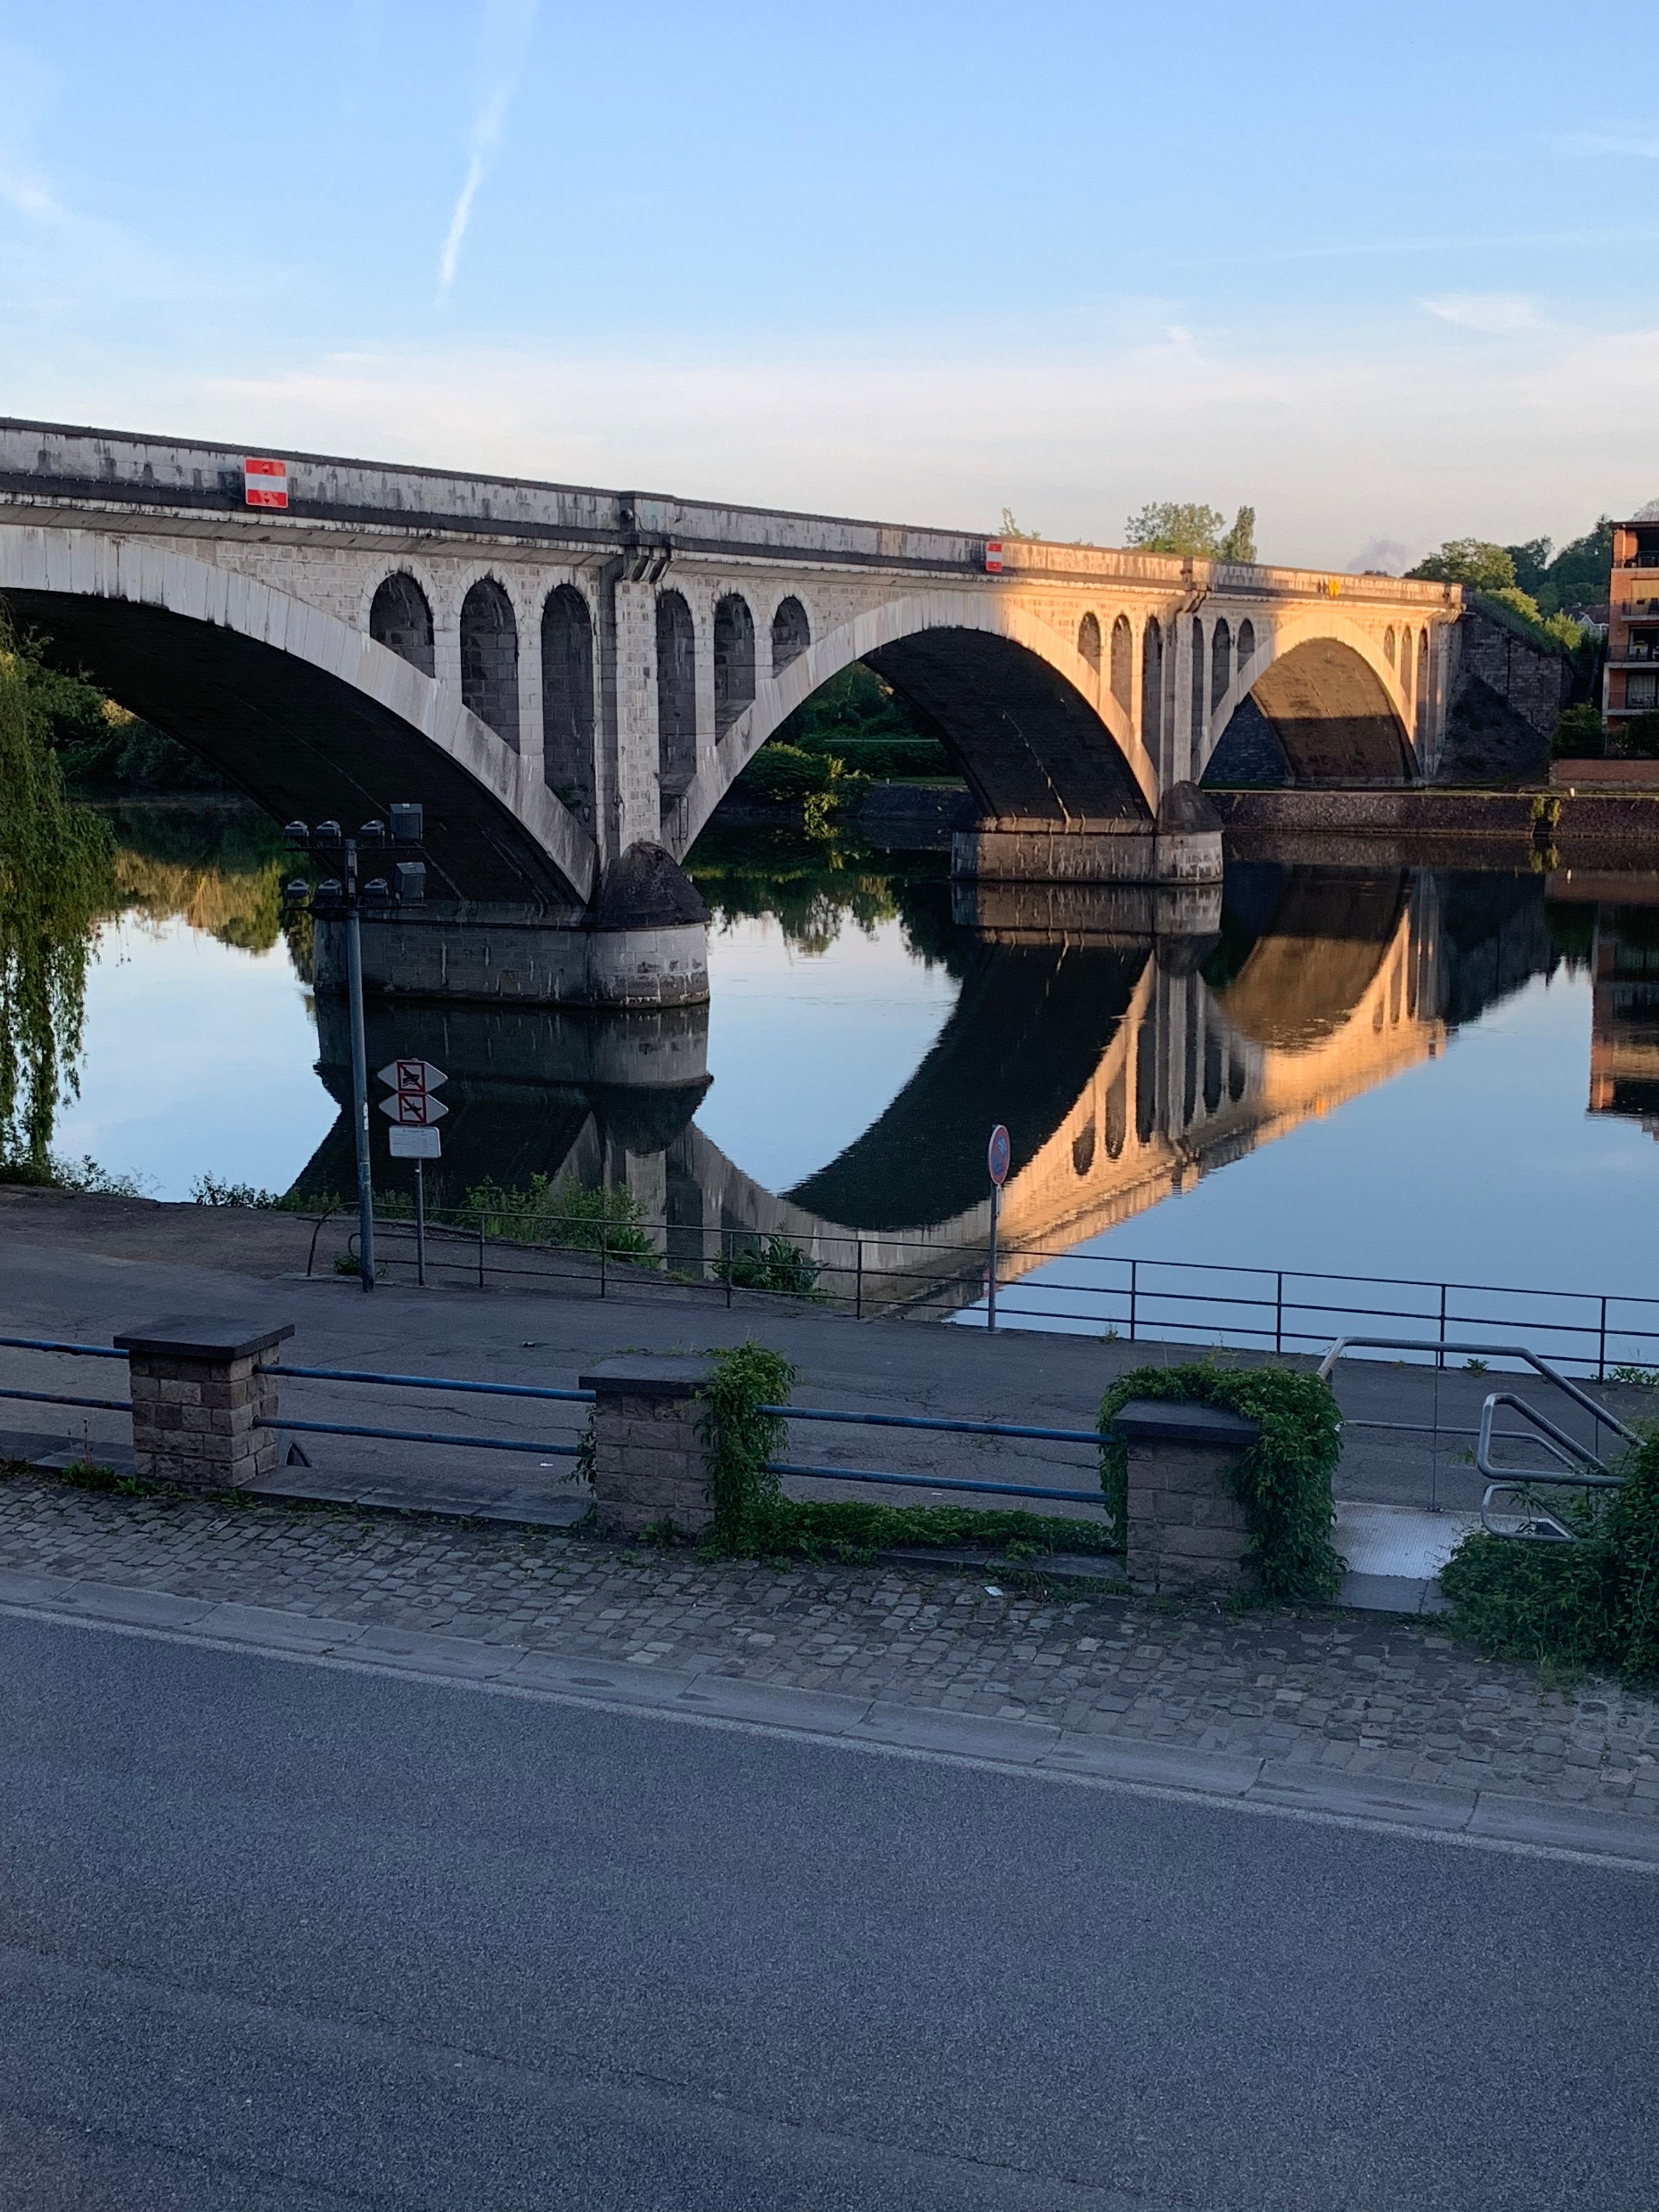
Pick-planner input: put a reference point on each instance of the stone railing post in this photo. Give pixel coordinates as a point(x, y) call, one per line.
point(1186, 1528)
point(198, 1387)
point(647, 1457)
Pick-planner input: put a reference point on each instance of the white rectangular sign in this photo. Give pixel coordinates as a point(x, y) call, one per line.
point(415, 1143)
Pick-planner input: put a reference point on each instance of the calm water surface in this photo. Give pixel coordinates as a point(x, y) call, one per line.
point(1399, 1073)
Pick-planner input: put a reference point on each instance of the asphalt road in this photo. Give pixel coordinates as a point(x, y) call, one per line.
point(284, 1935)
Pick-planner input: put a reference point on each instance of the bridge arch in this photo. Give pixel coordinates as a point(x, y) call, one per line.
point(1039, 733)
point(1326, 688)
point(309, 716)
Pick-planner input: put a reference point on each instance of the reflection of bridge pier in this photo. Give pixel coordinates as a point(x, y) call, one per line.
point(532, 1091)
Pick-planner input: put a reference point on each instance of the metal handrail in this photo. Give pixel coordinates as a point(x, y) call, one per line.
point(1564, 1383)
point(1565, 1448)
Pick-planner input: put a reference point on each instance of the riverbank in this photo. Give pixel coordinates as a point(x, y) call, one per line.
point(1432, 820)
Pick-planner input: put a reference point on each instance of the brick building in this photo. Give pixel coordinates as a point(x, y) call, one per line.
point(1632, 682)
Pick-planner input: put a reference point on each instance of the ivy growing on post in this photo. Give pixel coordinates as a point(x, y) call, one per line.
point(55, 880)
point(1282, 1482)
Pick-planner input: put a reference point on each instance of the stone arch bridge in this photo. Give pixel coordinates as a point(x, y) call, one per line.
point(570, 680)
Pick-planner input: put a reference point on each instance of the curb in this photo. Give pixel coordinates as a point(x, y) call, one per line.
point(1249, 1781)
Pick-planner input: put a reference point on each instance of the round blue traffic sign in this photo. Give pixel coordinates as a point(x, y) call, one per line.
point(997, 1158)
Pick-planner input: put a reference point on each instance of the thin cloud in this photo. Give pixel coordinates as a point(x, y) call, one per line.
point(1495, 314)
point(507, 26)
point(1644, 145)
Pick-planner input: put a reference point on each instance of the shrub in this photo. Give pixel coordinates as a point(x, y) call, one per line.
point(739, 1440)
point(1580, 733)
point(212, 1190)
point(1639, 738)
point(772, 1263)
point(1282, 1482)
point(1590, 1604)
point(564, 1213)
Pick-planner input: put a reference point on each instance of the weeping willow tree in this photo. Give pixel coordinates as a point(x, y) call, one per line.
point(55, 880)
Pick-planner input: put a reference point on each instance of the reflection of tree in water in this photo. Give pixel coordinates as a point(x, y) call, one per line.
point(54, 882)
point(814, 892)
point(220, 868)
point(65, 869)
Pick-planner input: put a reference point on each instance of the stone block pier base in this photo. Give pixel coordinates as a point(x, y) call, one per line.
point(1186, 1528)
point(647, 1457)
point(199, 1389)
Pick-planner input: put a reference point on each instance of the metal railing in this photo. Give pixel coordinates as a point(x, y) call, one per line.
point(1565, 1450)
point(1278, 1310)
point(915, 1479)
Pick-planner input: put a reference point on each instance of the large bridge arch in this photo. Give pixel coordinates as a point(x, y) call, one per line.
point(1038, 731)
point(1330, 695)
point(311, 717)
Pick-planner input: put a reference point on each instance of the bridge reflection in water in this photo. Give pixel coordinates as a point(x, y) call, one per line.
point(1130, 1050)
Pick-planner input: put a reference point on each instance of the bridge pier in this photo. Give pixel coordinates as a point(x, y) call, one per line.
point(1182, 846)
point(643, 943)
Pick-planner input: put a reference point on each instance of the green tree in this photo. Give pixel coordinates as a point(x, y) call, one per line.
point(55, 879)
point(1531, 561)
point(1239, 542)
point(1473, 561)
point(1580, 574)
point(1192, 530)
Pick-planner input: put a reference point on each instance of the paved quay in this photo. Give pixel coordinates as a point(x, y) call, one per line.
point(82, 1269)
point(1322, 1708)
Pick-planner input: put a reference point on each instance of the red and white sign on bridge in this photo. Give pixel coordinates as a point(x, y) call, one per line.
point(265, 484)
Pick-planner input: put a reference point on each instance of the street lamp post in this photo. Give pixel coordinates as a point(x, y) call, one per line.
point(346, 897)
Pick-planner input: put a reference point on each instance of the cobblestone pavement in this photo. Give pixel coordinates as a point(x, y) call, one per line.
point(1352, 1692)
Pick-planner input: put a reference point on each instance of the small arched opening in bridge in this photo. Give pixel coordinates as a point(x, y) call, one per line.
point(1319, 714)
point(1244, 645)
point(1421, 725)
point(1088, 641)
point(1152, 684)
point(1200, 712)
point(791, 634)
point(734, 661)
point(400, 619)
point(1123, 657)
point(1221, 664)
point(676, 694)
point(1406, 668)
point(1387, 644)
point(489, 658)
point(1030, 744)
point(568, 701)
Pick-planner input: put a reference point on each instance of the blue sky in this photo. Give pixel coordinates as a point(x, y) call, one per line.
point(1387, 274)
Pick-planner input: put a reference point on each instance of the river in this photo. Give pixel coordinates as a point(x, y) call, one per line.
point(1400, 1071)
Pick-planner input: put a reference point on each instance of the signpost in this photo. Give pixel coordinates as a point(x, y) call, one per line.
point(996, 1162)
point(415, 1114)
